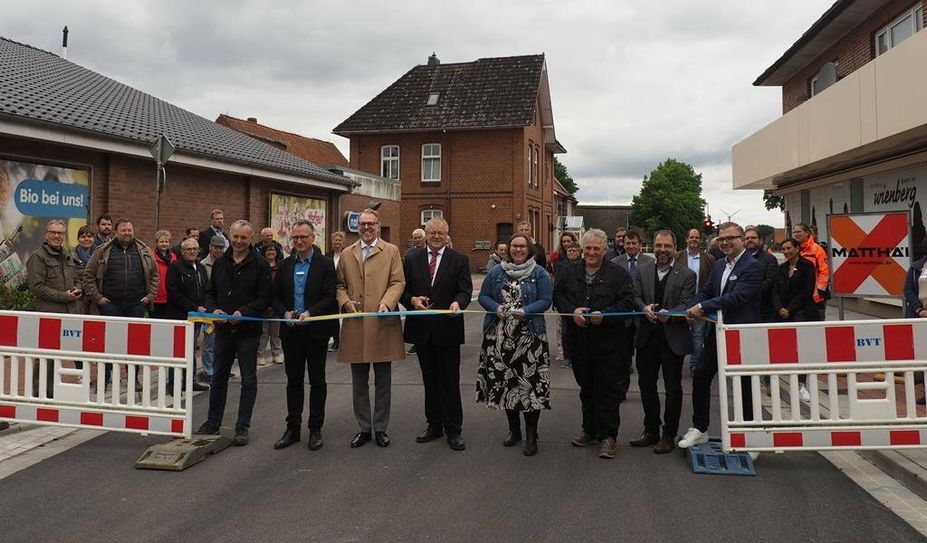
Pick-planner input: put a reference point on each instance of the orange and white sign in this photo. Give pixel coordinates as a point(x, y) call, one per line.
point(870, 253)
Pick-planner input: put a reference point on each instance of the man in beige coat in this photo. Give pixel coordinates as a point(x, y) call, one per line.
point(370, 279)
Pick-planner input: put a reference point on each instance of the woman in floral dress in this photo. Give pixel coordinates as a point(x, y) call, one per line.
point(514, 370)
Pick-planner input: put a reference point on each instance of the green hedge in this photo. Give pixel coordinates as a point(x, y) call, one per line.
point(16, 299)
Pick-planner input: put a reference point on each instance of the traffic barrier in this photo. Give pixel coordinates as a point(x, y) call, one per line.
point(848, 409)
point(36, 345)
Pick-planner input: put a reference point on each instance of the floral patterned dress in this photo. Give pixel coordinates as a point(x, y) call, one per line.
point(514, 370)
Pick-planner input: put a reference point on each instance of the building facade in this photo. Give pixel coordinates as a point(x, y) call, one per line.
point(853, 134)
point(470, 142)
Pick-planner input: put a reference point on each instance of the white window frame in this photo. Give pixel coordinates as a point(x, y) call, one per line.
point(536, 166)
point(814, 80)
point(431, 214)
point(431, 157)
point(389, 164)
point(917, 19)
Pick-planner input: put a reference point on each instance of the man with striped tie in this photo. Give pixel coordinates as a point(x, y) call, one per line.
point(438, 278)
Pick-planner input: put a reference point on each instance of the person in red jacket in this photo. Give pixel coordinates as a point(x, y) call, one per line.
point(163, 257)
point(815, 254)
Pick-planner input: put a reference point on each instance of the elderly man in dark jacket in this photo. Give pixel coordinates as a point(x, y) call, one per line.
point(240, 286)
point(186, 292)
point(587, 289)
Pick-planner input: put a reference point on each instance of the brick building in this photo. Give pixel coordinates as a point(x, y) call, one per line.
point(472, 142)
point(369, 190)
point(58, 118)
point(854, 125)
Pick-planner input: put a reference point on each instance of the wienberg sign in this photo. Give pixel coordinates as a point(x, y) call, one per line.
point(870, 253)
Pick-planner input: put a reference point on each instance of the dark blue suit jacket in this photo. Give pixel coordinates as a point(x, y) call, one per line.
point(740, 300)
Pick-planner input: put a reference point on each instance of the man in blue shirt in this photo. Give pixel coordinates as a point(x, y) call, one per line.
point(304, 287)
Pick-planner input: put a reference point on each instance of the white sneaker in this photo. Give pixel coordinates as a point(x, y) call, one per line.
point(693, 437)
point(803, 393)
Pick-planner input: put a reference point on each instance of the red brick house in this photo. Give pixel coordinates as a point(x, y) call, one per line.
point(472, 142)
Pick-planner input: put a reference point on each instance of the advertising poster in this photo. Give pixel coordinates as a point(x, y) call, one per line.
point(30, 196)
point(286, 210)
point(870, 253)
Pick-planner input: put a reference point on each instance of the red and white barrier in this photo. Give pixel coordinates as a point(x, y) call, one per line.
point(848, 410)
point(143, 350)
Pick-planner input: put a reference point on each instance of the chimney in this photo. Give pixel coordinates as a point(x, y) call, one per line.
point(64, 43)
point(433, 60)
point(252, 120)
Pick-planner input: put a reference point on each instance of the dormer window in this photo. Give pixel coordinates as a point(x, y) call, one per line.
point(432, 99)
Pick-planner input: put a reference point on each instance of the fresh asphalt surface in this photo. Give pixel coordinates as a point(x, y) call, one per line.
point(426, 492)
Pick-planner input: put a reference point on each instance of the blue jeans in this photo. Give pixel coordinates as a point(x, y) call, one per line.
point(136, 311)
point(209, 341)
point(228, 345)
point(698, 342)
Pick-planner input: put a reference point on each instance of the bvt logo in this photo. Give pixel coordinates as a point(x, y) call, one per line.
point(70, 333)
point(868, 341)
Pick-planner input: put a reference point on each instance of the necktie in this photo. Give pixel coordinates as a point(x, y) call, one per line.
point(366, 251)
point(632, 264)
point(433, 266)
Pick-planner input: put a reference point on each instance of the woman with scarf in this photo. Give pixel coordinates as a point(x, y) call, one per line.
point(163, 257)
point(514, 368)
point(270, 347)
point(81, 255)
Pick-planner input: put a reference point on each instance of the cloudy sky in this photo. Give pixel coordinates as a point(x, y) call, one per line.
point(632, 83)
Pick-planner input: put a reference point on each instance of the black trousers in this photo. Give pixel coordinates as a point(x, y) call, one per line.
point(600, 394)
point(701, 385)
point(626, 357)
point(441, 375)
point(654, 356)
point(301, 354)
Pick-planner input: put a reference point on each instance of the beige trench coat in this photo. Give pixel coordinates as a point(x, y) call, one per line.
point(378, 281)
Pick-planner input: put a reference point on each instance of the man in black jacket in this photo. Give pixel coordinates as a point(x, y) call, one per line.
point(587, 289)
point(186, 292)
point(753, 241)
point(304, 287)
point(438, 278)
point(240, 286)
point(216, 220)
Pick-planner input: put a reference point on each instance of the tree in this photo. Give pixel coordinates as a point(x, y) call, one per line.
point(773, 201)
point(768, 232)
point(670, 198)
point(562, 175)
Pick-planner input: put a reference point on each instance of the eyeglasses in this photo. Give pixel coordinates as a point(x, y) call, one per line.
point(54, 233)
point(190, 248)
point(301, 237)
point(728, 239)
point(368, 224)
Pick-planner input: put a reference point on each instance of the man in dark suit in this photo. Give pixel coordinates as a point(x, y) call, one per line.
point(438, 278)
point(753, 241)
point(733, 288)
point(304, 287)
point(629, 260)
point(701, 263)
point(216, 220)
point(662, 342)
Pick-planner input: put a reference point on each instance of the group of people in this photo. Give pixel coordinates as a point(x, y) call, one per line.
point(614, 301)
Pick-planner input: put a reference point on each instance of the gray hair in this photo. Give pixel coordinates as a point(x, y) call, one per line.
point(595, 233)
point(55, 221)
point(729, 224)
point(418, 231)
point(240, 223)
point(189, 242)
point(437, 220)
point(162, 234)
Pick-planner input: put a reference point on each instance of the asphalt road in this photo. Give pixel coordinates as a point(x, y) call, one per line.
point(426, 492)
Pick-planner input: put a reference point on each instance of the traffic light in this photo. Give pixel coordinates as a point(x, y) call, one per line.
point(709, 225)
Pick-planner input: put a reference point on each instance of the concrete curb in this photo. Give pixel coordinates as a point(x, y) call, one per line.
point(900, 468)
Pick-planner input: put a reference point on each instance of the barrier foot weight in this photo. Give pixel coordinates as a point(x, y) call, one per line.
point(180, 454)
point(709, 458)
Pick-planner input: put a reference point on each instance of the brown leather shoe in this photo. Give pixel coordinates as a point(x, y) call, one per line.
point(647, 439)
point(665, 445)
point(583, 440)
point(607, 448)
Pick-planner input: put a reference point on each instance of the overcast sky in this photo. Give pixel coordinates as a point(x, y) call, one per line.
point(632, 83)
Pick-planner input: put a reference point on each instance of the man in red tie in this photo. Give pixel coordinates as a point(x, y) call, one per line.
point(438, 278)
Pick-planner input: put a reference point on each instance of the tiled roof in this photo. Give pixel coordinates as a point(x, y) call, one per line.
point(487, 93)
point(323, 153)
point(36, 85)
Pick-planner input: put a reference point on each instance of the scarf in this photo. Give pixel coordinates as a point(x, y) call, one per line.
point(83, 254)
point(519, 271)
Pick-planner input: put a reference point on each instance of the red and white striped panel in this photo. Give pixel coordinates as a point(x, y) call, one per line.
point(86, 333)
point(837, 342)
point(145, 423)
point(817, 439)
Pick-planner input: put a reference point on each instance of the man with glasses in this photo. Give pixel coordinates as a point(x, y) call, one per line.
point(438, 278)
point(370, 279)
point(186, 292)
point(733, 288)
point(304, 287)
point(51, 278)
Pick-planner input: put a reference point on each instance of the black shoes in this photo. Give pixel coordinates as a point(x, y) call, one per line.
point(241, 437)
point(514, 438)
point(208, 430)
point(289, 437)
point(456, 443)
point(531, 442)
point(647, 439)
point(315, 440)
point(199, 387)
point(360, 439)
point(383, 439)
point(430, 434)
